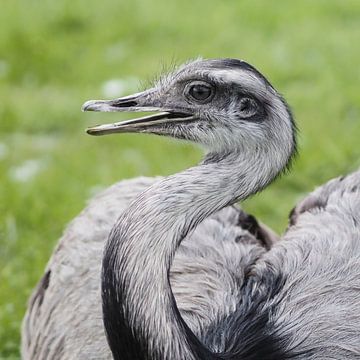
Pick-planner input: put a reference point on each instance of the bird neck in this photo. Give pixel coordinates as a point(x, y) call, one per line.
point(141, 318)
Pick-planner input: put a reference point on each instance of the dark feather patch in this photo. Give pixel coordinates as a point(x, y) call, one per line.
point(237, 64)
point(249, 333)
point(39, 293)
point(248, 222)
point(309, 203)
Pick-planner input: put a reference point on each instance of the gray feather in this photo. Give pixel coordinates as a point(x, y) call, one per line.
point(64, 318)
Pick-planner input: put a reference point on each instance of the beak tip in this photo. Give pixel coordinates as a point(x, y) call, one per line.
point(88, 106)
point(92, 131)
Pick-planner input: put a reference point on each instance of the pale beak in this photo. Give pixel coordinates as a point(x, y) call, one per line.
point(138, 102)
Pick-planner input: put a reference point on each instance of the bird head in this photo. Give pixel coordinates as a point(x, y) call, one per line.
point(222, 104)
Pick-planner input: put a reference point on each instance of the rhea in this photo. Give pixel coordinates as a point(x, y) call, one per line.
point(232, 110)
point(284, 302)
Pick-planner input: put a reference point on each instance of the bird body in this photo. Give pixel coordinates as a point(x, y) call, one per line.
point(64, 318)
point(181, 278)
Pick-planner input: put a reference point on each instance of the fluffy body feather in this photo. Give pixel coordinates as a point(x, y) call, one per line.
point(316, 311)
point(64, 317)
point(315, 308)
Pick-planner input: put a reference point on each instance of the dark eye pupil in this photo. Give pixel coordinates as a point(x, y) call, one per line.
point(200, 92)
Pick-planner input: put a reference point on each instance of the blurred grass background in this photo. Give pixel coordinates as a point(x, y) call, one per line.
point(54, 55)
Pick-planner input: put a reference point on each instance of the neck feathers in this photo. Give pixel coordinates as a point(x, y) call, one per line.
point(140, 314)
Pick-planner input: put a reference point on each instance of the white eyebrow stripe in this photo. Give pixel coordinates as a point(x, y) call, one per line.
point(244, 78)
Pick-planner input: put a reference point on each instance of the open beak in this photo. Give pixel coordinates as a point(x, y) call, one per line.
point(141, 102)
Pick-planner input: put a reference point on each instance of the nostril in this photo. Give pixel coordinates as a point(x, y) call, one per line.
point(125, 104)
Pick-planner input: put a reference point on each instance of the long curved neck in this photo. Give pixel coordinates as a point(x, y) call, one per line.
point(140, 314)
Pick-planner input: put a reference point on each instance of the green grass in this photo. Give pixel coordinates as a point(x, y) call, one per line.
point(54, 55)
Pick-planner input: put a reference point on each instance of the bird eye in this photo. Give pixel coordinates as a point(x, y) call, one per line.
point(201, 92)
